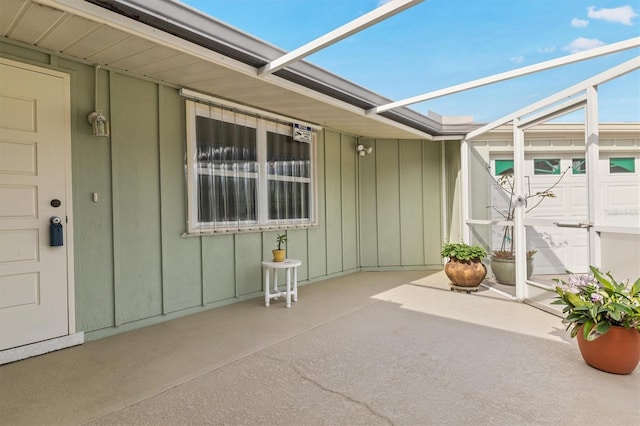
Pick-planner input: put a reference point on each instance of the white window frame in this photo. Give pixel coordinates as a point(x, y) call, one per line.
point(263, 123)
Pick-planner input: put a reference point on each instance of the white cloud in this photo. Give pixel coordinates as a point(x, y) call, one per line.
point(579, 23)
point(581, 43)
point(621, 15)
point(546, 49)
point(517, 59)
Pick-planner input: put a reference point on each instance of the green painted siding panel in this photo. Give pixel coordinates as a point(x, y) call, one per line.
point(135, 163)
point(349, 204)
point(268, 244)
point(297, 249)
point(411, 220)
point(248, 263)
point(19, 53)
point(368, 206)
point(388, 207)
point(93, 236)
point(432, 202)
point(218, 267)
point(333, 202)
point(452, 170)
point(317, 236)
point(181, 271)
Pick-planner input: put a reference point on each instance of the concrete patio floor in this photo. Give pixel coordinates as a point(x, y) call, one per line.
point(367, 348)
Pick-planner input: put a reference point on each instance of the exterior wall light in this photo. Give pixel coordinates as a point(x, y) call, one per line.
point(364, 150)
point(99, 123)
point(97, 120)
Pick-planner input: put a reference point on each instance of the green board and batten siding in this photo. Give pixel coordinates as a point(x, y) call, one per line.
point(133, 267)
point(400, 209)
point(136, 198)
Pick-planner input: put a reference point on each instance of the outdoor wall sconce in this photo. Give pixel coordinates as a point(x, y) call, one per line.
point(99, 123)
point(97, 120)
point(364, 150)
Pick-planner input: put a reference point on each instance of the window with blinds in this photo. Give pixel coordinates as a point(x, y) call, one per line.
point(246, 172)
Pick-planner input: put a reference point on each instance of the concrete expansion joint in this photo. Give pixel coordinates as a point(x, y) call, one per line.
point(305, 377)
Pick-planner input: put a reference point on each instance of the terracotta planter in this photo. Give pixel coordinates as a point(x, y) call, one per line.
point(465, 274)
point(505, 270)
point(617, 351)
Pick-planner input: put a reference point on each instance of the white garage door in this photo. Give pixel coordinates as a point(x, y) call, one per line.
point(565, 247)
point(620, 189)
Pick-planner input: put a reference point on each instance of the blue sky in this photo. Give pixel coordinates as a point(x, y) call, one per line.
point(440, 43)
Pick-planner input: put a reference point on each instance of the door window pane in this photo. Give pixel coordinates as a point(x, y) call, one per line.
point(546, 166)
point(504, 167)
point(622, 165)
point(578, 166)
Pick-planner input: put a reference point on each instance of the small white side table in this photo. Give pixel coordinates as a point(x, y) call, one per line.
point(272, 267)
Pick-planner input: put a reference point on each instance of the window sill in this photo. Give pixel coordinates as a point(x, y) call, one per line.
point(228, 231)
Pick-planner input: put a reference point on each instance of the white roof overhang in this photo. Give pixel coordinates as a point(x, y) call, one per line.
point(171, 42)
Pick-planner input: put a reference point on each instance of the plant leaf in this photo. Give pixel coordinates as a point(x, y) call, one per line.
point(635, 289)
point(574, 330)
point(588, 325)
point(601, 328)
point(575, 300)
point(601, 278)
point(621, 307)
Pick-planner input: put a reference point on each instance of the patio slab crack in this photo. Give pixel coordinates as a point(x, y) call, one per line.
point(335, 392)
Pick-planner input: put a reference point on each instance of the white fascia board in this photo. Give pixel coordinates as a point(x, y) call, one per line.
point(610, 74)
point(131, 26)
point(530, 69)
point(365, 21)
point(450, 137)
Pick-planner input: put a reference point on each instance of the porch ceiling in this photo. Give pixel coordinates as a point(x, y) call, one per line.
point(95, 35)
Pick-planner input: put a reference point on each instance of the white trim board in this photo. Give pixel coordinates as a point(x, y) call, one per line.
point(40, 348)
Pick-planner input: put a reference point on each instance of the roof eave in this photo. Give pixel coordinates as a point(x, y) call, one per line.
point(196, 27)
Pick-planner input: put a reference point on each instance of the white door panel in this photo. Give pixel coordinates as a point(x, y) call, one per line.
point(620, 192)
point(33, 139)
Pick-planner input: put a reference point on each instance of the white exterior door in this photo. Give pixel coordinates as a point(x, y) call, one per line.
point(35, 278)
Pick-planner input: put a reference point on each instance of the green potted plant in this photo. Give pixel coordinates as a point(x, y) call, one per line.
point(604, 315)
point(503, 259)
point(464, 268)
point(279, 254)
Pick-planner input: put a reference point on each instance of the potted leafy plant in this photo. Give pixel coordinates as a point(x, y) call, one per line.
point(503, 259)
point(605, 317)
point(279, 254)
point(464, 268)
